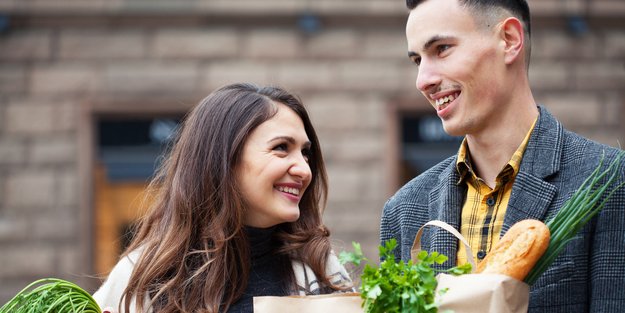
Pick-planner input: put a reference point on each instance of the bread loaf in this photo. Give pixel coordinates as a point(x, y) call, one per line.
point(518, 250)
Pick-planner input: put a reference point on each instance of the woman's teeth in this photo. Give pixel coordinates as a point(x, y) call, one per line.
point(293, 191)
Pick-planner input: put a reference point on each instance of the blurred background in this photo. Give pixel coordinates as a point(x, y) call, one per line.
point(90, 92)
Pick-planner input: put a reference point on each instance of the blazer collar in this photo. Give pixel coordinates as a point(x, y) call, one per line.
point(544, 149)
point(532, 194)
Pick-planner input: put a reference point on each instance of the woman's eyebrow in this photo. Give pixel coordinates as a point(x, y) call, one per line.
point(289, 139)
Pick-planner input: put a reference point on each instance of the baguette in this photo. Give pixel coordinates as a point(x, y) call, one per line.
point(518, 250)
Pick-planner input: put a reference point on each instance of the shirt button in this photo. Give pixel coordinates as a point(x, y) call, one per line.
point(490, 201)
point(481, 254)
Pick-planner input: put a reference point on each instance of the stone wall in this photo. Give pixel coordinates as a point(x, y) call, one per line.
point(63, 61)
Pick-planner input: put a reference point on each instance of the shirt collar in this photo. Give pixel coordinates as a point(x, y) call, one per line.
point(465, 168)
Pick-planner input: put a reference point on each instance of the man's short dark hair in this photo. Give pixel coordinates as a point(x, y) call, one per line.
point(518, 8)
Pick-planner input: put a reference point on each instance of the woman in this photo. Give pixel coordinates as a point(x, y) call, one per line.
point(237, 212)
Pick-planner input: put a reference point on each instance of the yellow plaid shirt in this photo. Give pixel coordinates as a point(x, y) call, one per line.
point(484, 208)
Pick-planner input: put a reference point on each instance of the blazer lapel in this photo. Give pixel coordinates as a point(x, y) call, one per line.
point(531, 195)
point(446, 201)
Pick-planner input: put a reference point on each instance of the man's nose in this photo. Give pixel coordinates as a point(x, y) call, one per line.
point(427, 77)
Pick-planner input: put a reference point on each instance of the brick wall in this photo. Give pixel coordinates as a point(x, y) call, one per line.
point(60, 59)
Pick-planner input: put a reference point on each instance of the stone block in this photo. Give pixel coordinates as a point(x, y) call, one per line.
point(197, 44)
point(371, 75)
point(13, 151)
point(337, 112)
point(271, 44)
point(68, 189)
point(353, 146)
point(350, 180)
point(151, 78)
point(25, 45)
point(66, 114)
point(332, 44)
point(59, 225)
point(101, 44)
point(27, 260)
point(560, 44)
point(569, 107)
point(615, 44)
point(305, 75)
point(25, 116)
point(544, 75)
point(599, 75)
point(64, 79)
point(13, 228)
point(385, 45)
point(70, 263)
point(612, 8)
point(12, 79)
point(613, 111)
point(30, 189)
point(53, 150)
point(217, 74)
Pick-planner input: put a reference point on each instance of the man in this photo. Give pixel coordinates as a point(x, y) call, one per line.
point(516, 161)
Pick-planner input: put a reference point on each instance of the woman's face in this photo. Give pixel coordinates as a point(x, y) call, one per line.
point(274, 171)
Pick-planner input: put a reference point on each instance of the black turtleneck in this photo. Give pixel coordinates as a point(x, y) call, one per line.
point(267, 269)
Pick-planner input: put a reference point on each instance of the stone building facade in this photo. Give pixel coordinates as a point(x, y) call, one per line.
point(67, 65)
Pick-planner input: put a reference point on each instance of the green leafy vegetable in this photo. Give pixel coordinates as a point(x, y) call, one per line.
point(51, 295)
point(400, 287)
point(355, 257)
point(578, 210)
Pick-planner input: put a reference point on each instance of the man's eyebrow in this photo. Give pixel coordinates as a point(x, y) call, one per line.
point(429, 44)
point(433, 40)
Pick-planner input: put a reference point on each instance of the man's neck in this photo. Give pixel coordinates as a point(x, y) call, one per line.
point(492, 148)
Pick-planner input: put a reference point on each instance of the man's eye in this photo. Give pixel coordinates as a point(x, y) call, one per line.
point(416, 60)
point(442, 48)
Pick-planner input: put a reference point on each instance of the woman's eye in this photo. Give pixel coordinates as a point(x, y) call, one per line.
point(280, 147)
point(307, 153)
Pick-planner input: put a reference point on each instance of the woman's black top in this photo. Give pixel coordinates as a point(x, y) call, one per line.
point(267, 269)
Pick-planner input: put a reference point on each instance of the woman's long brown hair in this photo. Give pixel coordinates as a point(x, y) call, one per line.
point(194, 251)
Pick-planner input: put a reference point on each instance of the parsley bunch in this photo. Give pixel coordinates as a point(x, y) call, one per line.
point(398, 286)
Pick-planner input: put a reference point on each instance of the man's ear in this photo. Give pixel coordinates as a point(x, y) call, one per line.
point(513, 38)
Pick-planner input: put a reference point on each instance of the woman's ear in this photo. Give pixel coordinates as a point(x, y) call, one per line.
point(513, 38)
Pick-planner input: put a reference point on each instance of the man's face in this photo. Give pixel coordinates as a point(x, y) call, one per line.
point(460, 65)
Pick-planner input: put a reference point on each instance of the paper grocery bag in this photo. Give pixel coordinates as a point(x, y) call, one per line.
point(476, 293)
point(481, 293)
point(336, 302)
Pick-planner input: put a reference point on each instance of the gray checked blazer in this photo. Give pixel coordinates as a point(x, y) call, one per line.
point(588, 275)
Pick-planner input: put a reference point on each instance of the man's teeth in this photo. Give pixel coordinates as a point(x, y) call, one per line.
point(444, 100)
point(290, 190)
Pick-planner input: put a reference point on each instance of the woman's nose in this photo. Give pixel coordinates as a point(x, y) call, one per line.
point(300, 167)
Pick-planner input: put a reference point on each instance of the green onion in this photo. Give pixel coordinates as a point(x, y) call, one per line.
point(578, 210)
point(51, 295)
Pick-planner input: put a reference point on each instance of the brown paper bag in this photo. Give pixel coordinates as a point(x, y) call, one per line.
point(476, 293)
point(336, 302)
point(481, 293)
